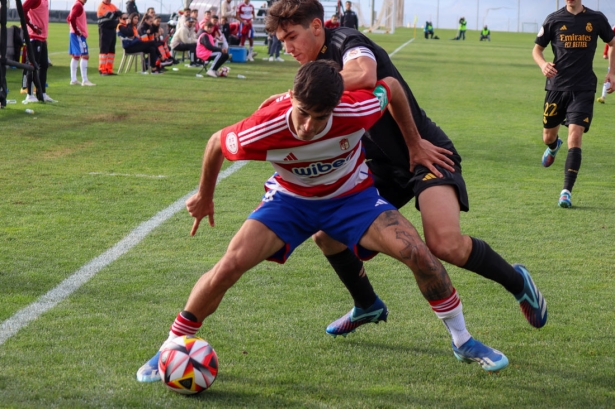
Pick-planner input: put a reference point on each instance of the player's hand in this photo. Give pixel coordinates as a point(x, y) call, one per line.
point(270, 100)
point(225, 50)
point(548, 69)
point(78, 32)
point(199, 207)
point(429, 155)
point(36, 28)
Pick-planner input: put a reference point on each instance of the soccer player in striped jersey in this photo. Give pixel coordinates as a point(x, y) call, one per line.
point(245, 14)
point(424, 165)
point(312, 137)
point(78, 45)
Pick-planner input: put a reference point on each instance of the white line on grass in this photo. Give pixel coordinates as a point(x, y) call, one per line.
point(23, 317)
point(136, 175)
point(401, 46)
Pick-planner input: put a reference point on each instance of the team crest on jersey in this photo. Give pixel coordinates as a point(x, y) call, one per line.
point(589, 27)
point(353, 53)
point(344, 144)
point(381, 93)
point(232, 144)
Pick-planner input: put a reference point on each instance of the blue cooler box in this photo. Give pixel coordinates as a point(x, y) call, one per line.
point(238, 54)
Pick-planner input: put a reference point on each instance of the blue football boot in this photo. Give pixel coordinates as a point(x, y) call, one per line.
point(532, 303)
point(357, 317)
point(474, 351)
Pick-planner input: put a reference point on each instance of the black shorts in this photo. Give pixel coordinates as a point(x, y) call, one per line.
point(398, 186)
point(568, 107)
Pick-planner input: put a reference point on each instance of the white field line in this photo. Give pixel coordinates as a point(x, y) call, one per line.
point(137, 175)
point(401, 46)
point(23, 317)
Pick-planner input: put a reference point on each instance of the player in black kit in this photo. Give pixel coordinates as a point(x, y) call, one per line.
point(402, 169)
point(573, 32)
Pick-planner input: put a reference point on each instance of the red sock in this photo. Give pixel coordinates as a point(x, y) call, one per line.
point(183, 326)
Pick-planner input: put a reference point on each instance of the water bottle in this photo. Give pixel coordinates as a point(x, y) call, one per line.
point(241, 76)
point(29, 111)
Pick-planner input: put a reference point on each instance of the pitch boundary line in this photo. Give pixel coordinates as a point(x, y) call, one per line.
point(401, 46)
point(30, 313)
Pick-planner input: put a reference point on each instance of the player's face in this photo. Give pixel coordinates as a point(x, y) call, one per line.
point(307, 123)
point(302, 43)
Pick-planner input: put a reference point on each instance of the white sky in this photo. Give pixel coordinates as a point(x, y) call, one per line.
point(499, 15)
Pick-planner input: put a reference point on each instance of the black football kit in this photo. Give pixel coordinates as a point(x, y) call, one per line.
point(386, 149)
point(573, 38)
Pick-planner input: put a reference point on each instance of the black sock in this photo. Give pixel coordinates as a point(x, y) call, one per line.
point(553, 145)
point(571, 169)
point(189, 316)
point(350, 270)
point(489, 264)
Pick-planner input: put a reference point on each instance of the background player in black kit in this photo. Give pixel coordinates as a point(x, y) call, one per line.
point(400, 172)
point(573, 32)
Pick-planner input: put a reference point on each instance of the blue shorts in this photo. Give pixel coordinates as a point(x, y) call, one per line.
point(77, 46)
point(294, 220)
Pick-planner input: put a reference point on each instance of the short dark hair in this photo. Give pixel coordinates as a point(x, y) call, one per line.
point(290, 12)
point(319, 85)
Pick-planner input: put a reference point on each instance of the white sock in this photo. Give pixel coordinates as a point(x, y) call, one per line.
point(84, 69)
point(450, 311)
point(457, 327)
point(251, 50)
point(73, 69)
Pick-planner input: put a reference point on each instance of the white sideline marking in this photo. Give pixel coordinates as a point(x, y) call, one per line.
point(401, 46)
point(137, 175)
point(23, 317)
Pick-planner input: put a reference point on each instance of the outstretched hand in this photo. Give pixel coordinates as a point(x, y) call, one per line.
point(429, 155)
point(198, 207)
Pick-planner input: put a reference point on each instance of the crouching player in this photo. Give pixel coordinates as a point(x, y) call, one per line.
point(312, 137)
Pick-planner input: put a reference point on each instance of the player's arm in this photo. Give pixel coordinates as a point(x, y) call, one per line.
point(547, 68)
point(360, 73)
point(201, 204)
point(610, 76)
point(27, 6)
point(421, 151)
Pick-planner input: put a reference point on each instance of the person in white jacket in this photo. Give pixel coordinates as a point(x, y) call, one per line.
point(185, 39)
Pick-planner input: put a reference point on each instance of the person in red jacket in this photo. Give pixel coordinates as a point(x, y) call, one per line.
point(78, 46)
point(37, 20)
point(333, 22)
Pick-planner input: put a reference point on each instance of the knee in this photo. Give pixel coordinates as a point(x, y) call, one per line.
point(227, 271)
point(449, 248)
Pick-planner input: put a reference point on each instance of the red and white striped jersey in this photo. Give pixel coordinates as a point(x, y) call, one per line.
point(328, 166)
point(245, 11)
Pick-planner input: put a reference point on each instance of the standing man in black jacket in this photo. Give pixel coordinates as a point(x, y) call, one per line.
point(349, 18)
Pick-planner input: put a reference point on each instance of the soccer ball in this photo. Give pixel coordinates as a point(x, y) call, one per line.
point(188, 365)
point(223, 72)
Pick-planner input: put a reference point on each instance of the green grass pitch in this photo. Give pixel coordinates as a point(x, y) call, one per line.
point(76, 177)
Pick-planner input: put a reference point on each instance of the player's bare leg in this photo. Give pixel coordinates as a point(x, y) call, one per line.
point(440, 216)
point(395, 236)
point(243, 253)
